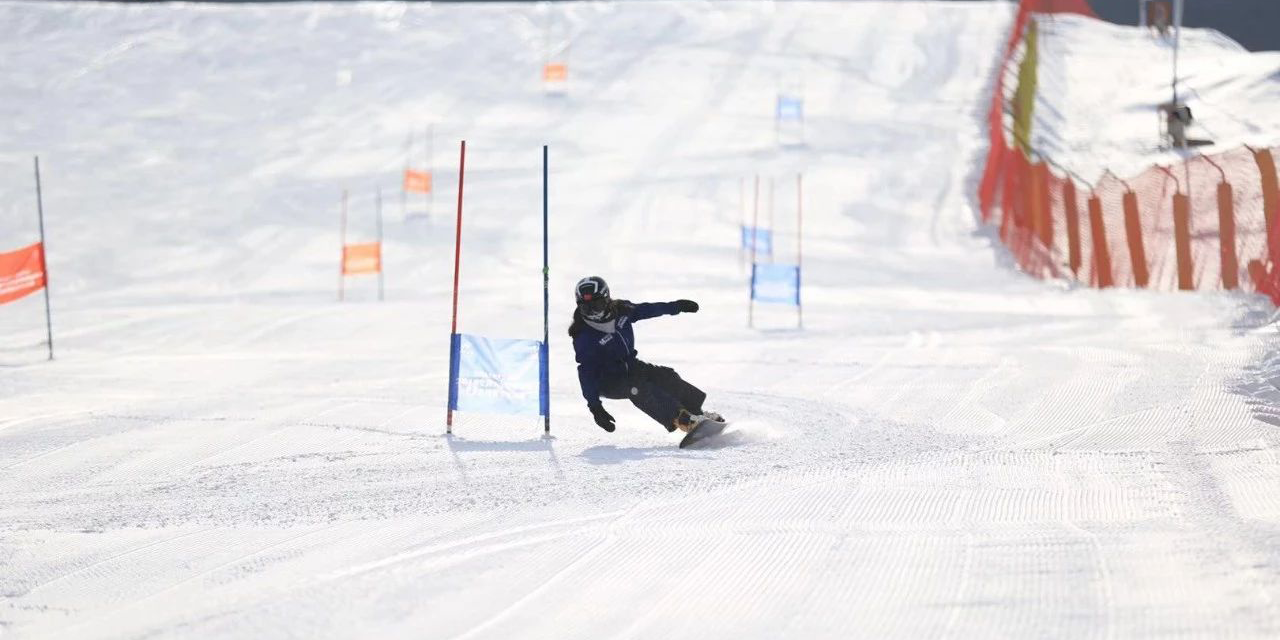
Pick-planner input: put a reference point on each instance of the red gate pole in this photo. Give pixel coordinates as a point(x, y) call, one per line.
point(457, 264)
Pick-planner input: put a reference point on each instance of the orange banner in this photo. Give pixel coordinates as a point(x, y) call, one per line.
point(21, 272)
point(362, 258)
point(417, 181)
point(555, 72)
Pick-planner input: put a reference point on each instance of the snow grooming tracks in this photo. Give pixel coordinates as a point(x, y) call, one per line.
point(948, 449)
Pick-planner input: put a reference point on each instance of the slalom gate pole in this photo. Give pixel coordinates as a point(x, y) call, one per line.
point(44, 264)
point(381, 268)
point(755, 237)
point(342, 263)
point(457, 264)
point(799, 246)
point(546, 299)
point(772, 224)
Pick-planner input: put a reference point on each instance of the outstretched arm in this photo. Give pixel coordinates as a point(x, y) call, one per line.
point(646, 310)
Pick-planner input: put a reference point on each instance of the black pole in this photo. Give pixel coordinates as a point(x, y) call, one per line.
point(44, 265)
point(546, 296)
point(381, 267)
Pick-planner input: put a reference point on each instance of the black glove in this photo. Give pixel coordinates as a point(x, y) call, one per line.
point(602, 417)
point(686, 306)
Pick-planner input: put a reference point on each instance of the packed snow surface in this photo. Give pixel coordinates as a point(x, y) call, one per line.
point(1099, 84)
point(947, 449)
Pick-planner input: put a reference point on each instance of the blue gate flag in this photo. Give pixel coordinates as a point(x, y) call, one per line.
point(778, 283)
point(762, 238)
point(790, 108)
point(495, 375)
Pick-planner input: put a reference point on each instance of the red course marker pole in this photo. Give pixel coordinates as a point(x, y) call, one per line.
point(457, 264)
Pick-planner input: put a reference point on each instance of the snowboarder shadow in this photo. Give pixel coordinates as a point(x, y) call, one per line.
point(458, 446)
point(461, 444)
point(610, 454)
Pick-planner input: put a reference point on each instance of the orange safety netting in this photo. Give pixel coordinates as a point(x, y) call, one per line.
point(1199, 225)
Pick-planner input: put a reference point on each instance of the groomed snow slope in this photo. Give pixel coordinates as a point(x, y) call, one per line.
point(948, 449)
point(1099, 84)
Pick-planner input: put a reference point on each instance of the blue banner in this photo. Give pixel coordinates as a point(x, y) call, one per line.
point(762, 238)
point(790, 108)
point(779, 283)
point(498, 375)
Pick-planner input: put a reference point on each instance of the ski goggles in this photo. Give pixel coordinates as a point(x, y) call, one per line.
point(592, 305)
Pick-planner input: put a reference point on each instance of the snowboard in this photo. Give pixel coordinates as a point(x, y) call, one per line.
point(705, 429)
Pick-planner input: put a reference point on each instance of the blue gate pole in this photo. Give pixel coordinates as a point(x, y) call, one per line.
point(546, 304)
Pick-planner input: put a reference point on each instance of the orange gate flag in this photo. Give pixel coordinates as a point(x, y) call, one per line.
point(417, 181)
point(361, 258)
point(555, 72)
point(21, 272)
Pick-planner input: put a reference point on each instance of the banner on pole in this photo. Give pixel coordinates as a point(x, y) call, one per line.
point(362, 258)
point(416, 181)
point(498, 375)
point(555, 73)
point(776, 283)
point(21, 272)
point(761, 238)
point(790, 108)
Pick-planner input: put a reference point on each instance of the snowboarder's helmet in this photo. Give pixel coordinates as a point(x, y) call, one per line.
point(592, 294)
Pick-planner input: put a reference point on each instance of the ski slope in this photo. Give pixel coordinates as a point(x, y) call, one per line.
point(1091, 131)
point(948, 449)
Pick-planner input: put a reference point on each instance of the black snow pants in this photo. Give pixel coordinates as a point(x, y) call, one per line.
point(660, 392)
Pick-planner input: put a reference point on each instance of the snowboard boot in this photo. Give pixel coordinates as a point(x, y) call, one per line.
point(686, 421)
point(710, 415)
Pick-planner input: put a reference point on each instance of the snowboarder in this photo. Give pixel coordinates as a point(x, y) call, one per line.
point(604, 345)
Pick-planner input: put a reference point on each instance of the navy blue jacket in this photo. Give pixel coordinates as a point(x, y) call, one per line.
point(602, 354)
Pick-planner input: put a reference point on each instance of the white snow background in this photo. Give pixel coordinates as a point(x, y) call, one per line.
point(948, 449)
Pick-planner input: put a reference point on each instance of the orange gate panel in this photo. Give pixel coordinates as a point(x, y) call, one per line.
point(555, 72)
point(417, 181)
point(362, 258)
point(21, 272)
